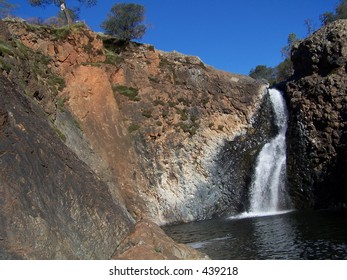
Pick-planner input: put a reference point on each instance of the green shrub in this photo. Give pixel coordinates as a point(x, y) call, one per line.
point(147, 114)
point(60, 134)
point(154, 79)
point(165, 112)
point(183, 114)
point(5, 49)
point(129, 92)
point(62, 33)
point(158, 102)
point(172, 104)
point(113, 58)
point(61, 104)
point(133, 127)
point(189, 128)
point(56, 81)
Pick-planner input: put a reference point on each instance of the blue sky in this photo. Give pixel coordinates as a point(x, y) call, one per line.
point(230, 35)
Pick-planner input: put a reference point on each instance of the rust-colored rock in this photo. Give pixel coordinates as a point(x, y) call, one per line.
point(66, 46)
point(149, 242)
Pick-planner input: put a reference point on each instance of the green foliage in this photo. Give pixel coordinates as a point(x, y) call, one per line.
point(284, 70)
point(327, 18)
point(190, 128)
point(4, 65)
point(185, 101)
point(158, 102)
point(293, 39)
point(154, 79)
point(131, 93)
point(5, 49)
point(273, 75)
point(15, 56)
point(62, 33)
point(61, 104)
point(172, 103)
point(158, 250)
point(56, 82)
point(113, 58)
point(60, 134)
point(340, 13)
point(125, 22)
point(341, 10)
point(183, 113)
point(133, 127)
point(147, 114)
point(262, 72)
point(165, 112)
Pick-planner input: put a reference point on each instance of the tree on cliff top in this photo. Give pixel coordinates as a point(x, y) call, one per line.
point(340, 13)
point(62, 5)
point(283, 70)
point(263, 72)
point(125, 21)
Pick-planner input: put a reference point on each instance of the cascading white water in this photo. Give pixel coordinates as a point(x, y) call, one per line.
point(268, 185)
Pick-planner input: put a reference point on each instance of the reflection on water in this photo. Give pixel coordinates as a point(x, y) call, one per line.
point(294, 235)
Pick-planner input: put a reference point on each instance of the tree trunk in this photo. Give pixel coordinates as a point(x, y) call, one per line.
point(66, 12)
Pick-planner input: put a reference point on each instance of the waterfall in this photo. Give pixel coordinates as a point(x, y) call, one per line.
point(267, 192)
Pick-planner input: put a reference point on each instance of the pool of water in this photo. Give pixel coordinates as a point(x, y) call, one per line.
point(294, 235)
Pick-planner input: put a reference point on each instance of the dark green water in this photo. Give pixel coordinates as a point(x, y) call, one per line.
point(294, 235)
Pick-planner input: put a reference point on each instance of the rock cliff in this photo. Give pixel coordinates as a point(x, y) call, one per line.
point(317, 132)
point(125, 137)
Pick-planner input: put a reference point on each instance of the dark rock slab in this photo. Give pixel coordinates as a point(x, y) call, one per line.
point(52, 206)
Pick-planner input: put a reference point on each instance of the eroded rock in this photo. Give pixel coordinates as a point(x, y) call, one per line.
point(318, 114)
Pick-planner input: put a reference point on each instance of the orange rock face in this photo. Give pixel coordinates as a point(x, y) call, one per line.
point(155, 121)
point(66, 47)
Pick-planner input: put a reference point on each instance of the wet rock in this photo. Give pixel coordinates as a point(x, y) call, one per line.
point(236, 160)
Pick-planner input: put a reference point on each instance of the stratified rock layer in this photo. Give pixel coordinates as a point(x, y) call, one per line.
point(317, 133)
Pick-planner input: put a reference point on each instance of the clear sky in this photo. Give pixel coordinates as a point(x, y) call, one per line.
point(231, 35)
